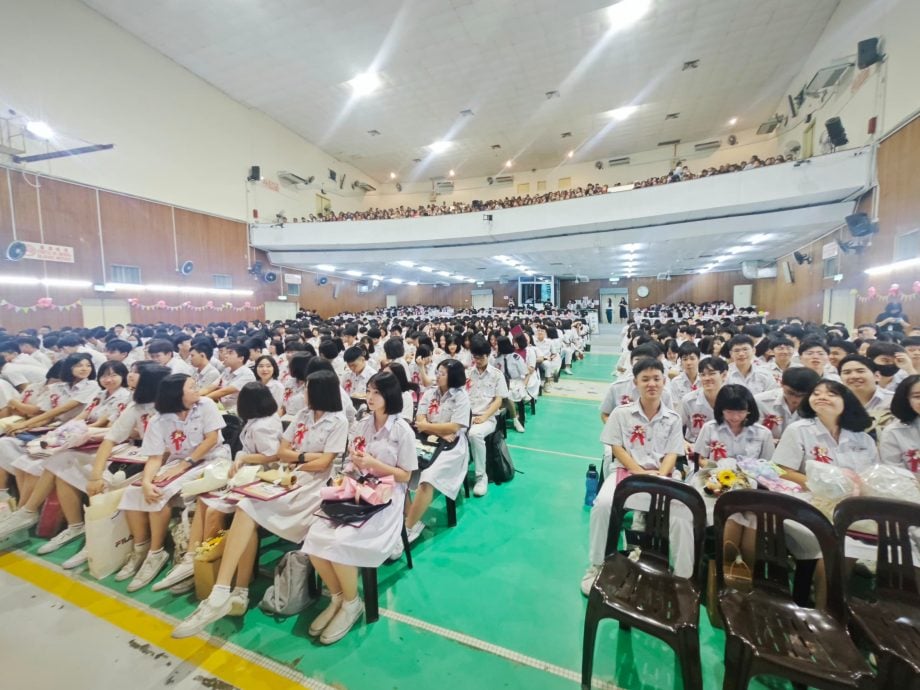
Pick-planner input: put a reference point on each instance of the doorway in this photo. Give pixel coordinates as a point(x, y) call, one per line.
point(614, 295)
point(840, 307)
point(323, 205)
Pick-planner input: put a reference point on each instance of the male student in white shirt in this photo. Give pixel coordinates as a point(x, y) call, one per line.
point(235, 376)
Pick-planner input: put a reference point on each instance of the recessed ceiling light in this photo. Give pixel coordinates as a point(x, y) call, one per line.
point(509, 163)
point(733, 122)
point(620, 114)
point(356, 274)
point(450, 173)
point(41, 130)
point(632, 247)
point(374, 276)
point(365, 83)
point(412, 283)
point(427, 269)
point(570, 154)
point(404, 262)
point(626, 13)
point(446, 274)
point(439, 146)
point(392, 176)
point(325, 267)
point(395, 280)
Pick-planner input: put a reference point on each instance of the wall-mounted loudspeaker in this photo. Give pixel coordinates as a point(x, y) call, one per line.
point(867, 53)
point(186, 268)
point(860, 225)
point(15, 251)
point(255, 174)
point(836, 133)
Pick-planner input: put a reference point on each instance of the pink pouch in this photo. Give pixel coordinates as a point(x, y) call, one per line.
point(377, 493)
point(621, 474)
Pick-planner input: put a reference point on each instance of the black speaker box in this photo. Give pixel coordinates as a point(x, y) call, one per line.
point(860, 225)
point(836, 132)
point(255, 173)
point(867, 53)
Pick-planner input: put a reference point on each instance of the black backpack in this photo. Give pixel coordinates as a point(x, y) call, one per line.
point(499, 467)
point(231, 433)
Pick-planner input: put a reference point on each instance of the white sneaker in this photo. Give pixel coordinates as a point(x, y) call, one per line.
point(135, 561)
point(183, 570)
point(518, 426)
point(239, 601)
point(151, 567)
point(481, 488)
point(587, 580)
point(76, 560)
point(343, 621)
point(18, 520)
point(415, 531)
point(65, 537)
point(323, 619)
point(397, 552)
point(205, 614)
point(183, 587)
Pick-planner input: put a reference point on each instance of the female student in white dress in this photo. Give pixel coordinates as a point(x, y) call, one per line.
point(311, 442)
point(512, 365)
point(444, 411)
point(899, 444)
point(267, 372)
point(383, 444)
point(186, 433)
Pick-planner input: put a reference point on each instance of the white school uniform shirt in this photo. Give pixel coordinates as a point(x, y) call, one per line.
point(19, 374)
point(443, 408)
point(135, 418)
point(177, 365)
point(483, 387)
point(207, 377)
point(776, 372)
point(809, 439)
point(328, 434)
point(546, 348)
point(293, 396)
point(262, 436)
point(7, 393)
point(646, 440)
point(29, 361)
point(717, 442)
point(234, 379)
point(757, 380)
point(880, 401)
point(623, 391)
point(899, 445)
point(82, 392)
point(276, 388)
point(681, 385)
point(167, 433)
point(774, 412)
point(899, 376)
point(695, 412)
point(42, 359)
point(105, 406)
point(356, 384)
point(98, 358)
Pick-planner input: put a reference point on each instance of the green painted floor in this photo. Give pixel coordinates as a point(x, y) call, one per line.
point(508, 575)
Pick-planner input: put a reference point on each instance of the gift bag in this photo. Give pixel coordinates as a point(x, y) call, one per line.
point(51, 520)
point(108, 539)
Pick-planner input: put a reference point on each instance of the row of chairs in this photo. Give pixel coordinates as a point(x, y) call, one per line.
point(767, 632)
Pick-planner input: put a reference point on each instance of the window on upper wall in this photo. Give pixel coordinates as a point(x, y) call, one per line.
point(907, 246)
point(125, 274)
point(565, 183)
point(831, 267)
point(541, 185)
point(293, 290)
point(222, 281)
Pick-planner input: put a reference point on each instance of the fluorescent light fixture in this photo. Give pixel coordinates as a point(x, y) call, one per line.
point(530, 273)
point(356, 274)
point(626, 13)
point(888, 268)
point(457, 276)
point(48, 282)
point(446, 274)
point(395, 280)
point(40, 130)
point(413, 283)
point(737, 250)
point(190, 289)
point(365, 83)
point(570, 154)
point(283, 298)
point(632, 247)
point(407, 264)
point(427, 269)
point(757, 239)
point(103, 288)
point(620, 114)
point(374, 276)
point(439, 146)
point(473, 280)
point(329, 268)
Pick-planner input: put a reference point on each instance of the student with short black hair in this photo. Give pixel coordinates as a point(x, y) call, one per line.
point(163, 352)
point(742, 370)
point(899, 442)
point(814, 355)
point(838, 349)
point(236, 375)
point(859, 374)
point(688, 378)
point(266, 371)
point(698, 407)
point(199, 357)
point(892, 362)
point(734, 431)
point(358, 371)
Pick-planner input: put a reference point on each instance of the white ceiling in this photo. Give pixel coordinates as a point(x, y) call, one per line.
point(291, 59)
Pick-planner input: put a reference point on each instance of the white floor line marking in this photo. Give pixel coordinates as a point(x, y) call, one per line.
point(502, 652)
point(570, 398)
point(248, 655)
point(553, 452)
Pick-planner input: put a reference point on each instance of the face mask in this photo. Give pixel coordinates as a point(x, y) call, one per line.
point(887, 370)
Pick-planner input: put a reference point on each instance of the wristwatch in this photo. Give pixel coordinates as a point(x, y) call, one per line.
point(301, 458)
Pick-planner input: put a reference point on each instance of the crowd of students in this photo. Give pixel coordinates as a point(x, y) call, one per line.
point(703, 388)
point(682, 173)
point(318, 399)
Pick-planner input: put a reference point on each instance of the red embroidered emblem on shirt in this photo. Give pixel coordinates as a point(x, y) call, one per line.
point(638, 434)
point(94, 403)
point(820, 455)
point(144, 419)
point(121, 407)
point(177, 437)
point(359, 444)
point(913, 459)
point(415, 377)
point(55, 399)
point(347, 385)
point(469, 384)
point(693, 386)
point(698, 420)
point(288, 392)
point(771, 421)
point(299, 433)
point(625, 400)
point(433, 408)
point(717, 450)
point(26, 395)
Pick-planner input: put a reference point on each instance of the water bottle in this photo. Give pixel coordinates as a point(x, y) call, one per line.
point(591, 482)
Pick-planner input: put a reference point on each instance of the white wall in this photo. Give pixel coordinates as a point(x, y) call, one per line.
point(177, 139)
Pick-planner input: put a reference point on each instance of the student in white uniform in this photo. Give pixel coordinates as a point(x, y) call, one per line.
point(623, 391)
point(410, 391)
point(163, 353)
point(779, 407)
point(698, 407)
point(859, 374)
point(515, 371)
point(645, 438)
point(444, 411)
point(548, 360)
point(734, 431)
point(487, 389)
point(235, 375)
point(893, 364)
point(266, 370)
point(382, 445)
point(310, 444)
point(899, 444)
point(814, 355)
point(742, 369)
point(358, 371)
point(206, 375)
point(19, 374)
point(186, 432)
point(688, 379)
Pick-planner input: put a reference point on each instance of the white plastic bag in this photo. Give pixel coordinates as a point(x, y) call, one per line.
point(108, 539)
point(830, 484)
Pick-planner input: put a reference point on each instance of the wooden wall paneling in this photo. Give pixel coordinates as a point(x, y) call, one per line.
point(136, 232)
point(69, 218)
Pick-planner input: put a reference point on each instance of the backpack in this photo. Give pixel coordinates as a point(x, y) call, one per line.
point(499, 467)
point(289, 594)
point(231, 433)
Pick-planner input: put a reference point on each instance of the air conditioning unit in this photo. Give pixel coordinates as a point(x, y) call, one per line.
point(581, 279)
point(664, 276)
point(363, 186)
point(613, 162)
point(707, 145)
point(294, 179)
point(504, 179)
point(364, 289)
point(754, 269)
point(444, 187)
point(827, 78)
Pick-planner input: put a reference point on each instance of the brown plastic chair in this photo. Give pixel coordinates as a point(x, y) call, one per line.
point(644, 593)
point(766, 632)
point(889, 625)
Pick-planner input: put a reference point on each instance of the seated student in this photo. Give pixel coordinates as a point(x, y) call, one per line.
point(688, 378)
point(838, 349)
point(199, 357)
point(319, 364)
point(623, 391)
point(742, 369)
point(672, 364)
point(18, 374)
point(892, 363)
point(912, 345)
point(832, 430)
point(734, 431)
point(30, 348)
point(645, 438)
point(814, 355)
point(162, 352)
point(117, 350)
point(444, 411)
point(293, 398)
point(235, 375)
point(394, 350)
point(528, 353)
point(355, 378)
point(382, 445)
point(487, 391)
point(859, 374)
point(266, 370)
point(183, 345)
point(410, 391)
point(698, 407)
point(779, 407)
point(515, 371)
point(185, 434)
point(899, 442)
point(548, 360)
point(309, 445)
